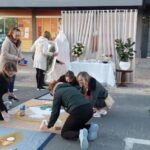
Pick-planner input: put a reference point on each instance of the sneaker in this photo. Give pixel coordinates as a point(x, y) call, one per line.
point(12, 98)
point(37, 89)
point(97, 114)
point(15, 90)
point(93, 132)
point(41, 89)
point(103, 112)
point(83, 139)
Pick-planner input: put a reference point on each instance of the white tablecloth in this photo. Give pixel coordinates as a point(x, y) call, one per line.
point(102, 72)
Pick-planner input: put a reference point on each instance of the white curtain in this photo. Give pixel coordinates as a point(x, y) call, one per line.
point(98, 29)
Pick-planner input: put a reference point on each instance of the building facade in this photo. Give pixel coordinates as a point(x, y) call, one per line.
point(34, 17)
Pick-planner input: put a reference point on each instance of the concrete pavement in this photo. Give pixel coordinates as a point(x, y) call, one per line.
point(129, 117)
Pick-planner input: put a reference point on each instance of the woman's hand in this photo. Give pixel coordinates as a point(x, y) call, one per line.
point(43, 126)
point(18, 59)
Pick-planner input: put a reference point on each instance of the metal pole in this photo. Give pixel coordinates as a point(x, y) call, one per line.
point(4, 26)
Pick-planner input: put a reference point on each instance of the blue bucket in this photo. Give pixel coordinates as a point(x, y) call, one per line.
point(24, 62)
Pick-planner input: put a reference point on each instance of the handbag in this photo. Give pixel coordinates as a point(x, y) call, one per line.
point(109, 101)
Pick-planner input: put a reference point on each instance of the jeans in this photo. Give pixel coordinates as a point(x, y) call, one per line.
point(76, 121)
point(11, 85)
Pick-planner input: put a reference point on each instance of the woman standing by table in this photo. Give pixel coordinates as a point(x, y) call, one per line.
point(11, 52)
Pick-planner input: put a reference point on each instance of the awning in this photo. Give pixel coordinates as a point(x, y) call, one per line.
point(70, 3)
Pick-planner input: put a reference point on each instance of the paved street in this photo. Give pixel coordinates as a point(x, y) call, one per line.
point(129, 117)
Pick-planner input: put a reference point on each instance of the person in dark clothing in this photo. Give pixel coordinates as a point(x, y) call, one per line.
point(70, 78)
point(80, 112)
point(7, 73)
point(94, 92)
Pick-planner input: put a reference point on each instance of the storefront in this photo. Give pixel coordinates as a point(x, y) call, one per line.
point(34, 17)
point(45, 20)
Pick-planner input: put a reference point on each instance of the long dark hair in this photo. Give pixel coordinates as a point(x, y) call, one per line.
point(10, 35)
point(70, 74)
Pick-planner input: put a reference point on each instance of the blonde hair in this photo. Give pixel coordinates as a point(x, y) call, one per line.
point(85, 78)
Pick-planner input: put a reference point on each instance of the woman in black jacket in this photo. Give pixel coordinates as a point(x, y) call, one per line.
point(8, 71)
point(94, 92)
point(80, 112)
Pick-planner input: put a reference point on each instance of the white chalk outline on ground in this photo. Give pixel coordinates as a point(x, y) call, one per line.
point(129, 142)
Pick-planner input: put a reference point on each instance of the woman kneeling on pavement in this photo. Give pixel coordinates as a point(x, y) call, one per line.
point(94, 92)
point(80, 112)
point(6, 75)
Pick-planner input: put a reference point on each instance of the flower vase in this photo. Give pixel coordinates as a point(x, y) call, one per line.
point(124, 65)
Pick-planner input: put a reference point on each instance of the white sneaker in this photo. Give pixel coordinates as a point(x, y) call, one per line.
point(83, 139)
point(41, 89)
point(15, 90)
point(93, 132)
point(97, 114)
point(103, 112)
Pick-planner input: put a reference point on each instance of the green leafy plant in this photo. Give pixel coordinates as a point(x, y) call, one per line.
point(125, 49)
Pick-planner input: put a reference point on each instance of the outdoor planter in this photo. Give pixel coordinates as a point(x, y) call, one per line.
point(124, 65)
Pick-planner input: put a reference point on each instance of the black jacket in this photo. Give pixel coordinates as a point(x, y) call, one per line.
point(4, 84)
point(67, 96)
point(96, 91)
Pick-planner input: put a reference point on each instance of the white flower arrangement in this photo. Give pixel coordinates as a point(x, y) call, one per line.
point(77, 49)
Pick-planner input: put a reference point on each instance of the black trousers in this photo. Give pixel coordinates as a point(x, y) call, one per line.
point(2, 108)
point(100, 103)
point(77, 120)
point(40, 77)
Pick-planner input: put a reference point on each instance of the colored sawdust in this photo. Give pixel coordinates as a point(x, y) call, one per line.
point(4, 141)
point(27, 122)
point(36, 113)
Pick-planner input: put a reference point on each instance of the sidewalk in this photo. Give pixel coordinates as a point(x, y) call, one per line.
point(26, 83)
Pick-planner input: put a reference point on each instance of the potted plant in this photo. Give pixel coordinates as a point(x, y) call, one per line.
point(125, 52)
point(77, 50)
